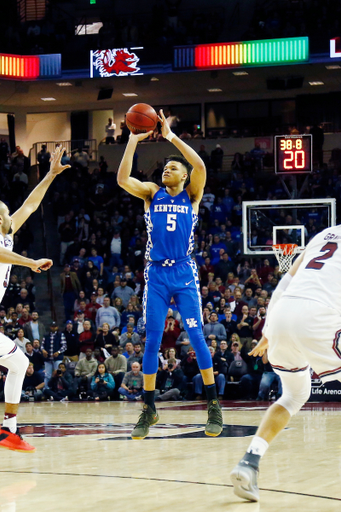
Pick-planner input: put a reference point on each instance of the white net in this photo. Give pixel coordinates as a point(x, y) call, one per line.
point(285, 253)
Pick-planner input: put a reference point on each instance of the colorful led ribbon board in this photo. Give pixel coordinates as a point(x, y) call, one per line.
point(30, 67)
point(249, 53)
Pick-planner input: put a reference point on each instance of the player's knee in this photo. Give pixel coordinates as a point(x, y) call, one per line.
point(18, 362)
point(294, 401)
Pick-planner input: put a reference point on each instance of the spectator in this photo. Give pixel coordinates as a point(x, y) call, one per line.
point(225, 355)
point(60, 385)
point(97, 260)
point(248, 298)
point(70, 287)
point(269, 378)
point(105, 338)
point(102, 384)
point(253, 281)
point(78, 324)
point(245, 327)
point(86, 339)
point(92, 308)
point(21, 341)
point(116, 365)
point(249, 383)
point(132, 383)
point(35, 357)
point(224, 266)
point(33, 385)
point(219, 377)
point(129, 349)
point(238, 303)
point(115, 249)
point(129, 337)
point(110, 131)
point(215, 250)
point(24, 317)
point(171, 331)
point(170, 381)
point(257, 155)
point(189, 365)
point(53, 347)
point(123, 291)
point(72, 342)
point(214, 330)
point(258, 323)
point(108, 314)
point(67, 235)
point(81, 297)
point(217, 158)
point(136, 356)
point(34, 329)
point(229, 324)
point(12, 327)
point(184, 343)
point(44, 161)
point(84, 371)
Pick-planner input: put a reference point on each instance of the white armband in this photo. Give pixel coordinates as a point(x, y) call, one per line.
point(170, 136)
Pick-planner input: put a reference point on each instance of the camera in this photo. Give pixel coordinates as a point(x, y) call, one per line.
point(59, 372)
point(101, 381)
point(170, 366)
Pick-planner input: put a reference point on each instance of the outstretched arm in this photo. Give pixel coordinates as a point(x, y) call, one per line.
point(198, 175)
point(12, 258)
point(143, 190)
point(36, 196)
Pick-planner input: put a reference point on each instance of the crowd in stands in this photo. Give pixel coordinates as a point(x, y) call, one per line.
point(98, 353)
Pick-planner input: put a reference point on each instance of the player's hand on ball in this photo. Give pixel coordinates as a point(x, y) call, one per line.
point(42, 264)
point(140, 136)
point(260, 348)
point(55, 166)
point(165, 130)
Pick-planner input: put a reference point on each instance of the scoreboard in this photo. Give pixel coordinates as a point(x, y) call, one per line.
point(293, 154)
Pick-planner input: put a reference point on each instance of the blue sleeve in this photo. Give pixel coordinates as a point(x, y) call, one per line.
point(93, 383)
point(111, 383)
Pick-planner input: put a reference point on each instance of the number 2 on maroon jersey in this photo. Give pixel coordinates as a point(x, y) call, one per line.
point(315, 263)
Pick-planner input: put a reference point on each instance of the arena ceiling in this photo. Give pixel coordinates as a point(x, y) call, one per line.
point(185, 87)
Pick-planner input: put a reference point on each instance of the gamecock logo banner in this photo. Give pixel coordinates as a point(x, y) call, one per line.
point(116, 62)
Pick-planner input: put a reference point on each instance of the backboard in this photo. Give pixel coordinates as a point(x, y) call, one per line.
point(284, 221)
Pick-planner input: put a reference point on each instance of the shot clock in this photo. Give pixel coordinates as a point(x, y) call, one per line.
point(293, 154)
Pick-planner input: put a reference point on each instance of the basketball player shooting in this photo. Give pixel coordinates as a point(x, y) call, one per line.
point(171, 214)
point(302, 330)
point(10, 356)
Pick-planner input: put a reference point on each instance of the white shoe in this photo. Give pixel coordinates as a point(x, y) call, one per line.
point(244, 479)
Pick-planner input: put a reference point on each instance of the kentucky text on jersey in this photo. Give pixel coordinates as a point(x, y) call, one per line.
point(176, 208)
point(170, 225)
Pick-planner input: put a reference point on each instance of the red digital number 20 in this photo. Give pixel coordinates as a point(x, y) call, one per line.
point(329, 250)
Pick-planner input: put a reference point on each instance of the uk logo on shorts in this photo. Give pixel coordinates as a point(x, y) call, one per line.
point(191, 322)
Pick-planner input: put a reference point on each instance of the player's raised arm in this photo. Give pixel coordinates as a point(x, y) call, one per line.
point(143, 190)
point(37, 194)
point(198, 174)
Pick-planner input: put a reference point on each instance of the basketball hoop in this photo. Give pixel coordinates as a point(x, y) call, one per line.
point(285, 254)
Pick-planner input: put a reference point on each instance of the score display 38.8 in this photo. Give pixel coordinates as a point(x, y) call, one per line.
point(293, 154)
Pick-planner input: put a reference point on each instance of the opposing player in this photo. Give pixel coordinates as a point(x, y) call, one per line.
point(303, 330)
point(11, 357)
point(171, 217)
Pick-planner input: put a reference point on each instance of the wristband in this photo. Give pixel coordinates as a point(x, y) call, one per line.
point(170, 136)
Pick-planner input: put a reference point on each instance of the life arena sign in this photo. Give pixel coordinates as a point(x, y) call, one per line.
point(335, 48)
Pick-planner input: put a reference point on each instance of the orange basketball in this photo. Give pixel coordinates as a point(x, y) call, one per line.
point(141, 118)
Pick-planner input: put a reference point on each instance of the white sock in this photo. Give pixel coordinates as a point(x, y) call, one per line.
point(10, 423)
point(258, 446)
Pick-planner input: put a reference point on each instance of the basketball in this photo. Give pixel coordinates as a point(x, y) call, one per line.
point(141, 118)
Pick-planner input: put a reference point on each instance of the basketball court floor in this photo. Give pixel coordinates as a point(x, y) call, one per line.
point(86, 461)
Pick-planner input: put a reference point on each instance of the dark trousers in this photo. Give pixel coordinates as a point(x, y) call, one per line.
point(56, 395)
point(69, 299)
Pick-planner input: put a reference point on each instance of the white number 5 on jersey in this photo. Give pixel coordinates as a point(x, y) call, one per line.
point(171, 221)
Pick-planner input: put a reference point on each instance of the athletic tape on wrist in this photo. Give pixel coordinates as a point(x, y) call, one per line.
point(170, 136)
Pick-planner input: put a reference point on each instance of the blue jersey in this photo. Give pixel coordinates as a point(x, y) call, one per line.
point(170, 225)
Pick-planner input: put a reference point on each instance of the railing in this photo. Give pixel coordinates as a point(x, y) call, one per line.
point(71, 146)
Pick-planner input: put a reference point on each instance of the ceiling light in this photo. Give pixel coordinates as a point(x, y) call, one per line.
point(240, 73)
point(64, 84)
point(215, 89)
point(48, 99)
point(316, 83)
point(154, 79)
point(129, 94)
point(333, 66)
